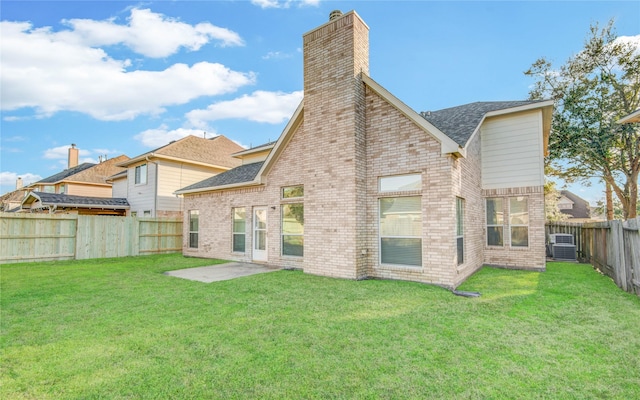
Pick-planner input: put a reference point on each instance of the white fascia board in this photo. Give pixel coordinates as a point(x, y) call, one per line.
point(149, 156)
point(633, 117)
point(447, 145)
point(282, 140)
point(215, 188)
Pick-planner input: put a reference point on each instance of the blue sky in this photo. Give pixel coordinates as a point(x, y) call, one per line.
point(119, 77)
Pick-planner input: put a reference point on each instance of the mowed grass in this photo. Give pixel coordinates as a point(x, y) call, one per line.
point(119, 328)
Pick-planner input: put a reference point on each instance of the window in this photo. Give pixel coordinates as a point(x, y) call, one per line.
point(62, 188)
point(401, 231)
point(291, 192)
point(193, 228)
point(400, 183)
point(141, 174)
point(239, 229)
point(460, 229)
point(146, 213)
point(519, 221)
point(49, 189)
point(495, 221)
point(293, 229)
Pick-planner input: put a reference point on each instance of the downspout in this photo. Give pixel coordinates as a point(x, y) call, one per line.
point(155, 188)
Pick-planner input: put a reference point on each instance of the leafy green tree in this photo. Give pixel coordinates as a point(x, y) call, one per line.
point(551, 197)
point(593, 90)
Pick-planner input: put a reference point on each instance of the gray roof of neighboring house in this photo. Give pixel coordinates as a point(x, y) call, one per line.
point(66, 173)
point(79, 201)
point(581, 208)
point(460, 122)
point(243, 173)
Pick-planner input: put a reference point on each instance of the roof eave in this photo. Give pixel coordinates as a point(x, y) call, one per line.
point(447, 145)
point(631, 118)
point(149, 156)
point(216, 188)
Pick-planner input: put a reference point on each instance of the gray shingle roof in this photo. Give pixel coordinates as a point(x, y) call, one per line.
point(460, 122)
point(581, 208)
point(71, 200)
point(66, 173)
point(243, 173)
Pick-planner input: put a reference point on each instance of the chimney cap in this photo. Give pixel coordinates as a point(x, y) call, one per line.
point(335, 14)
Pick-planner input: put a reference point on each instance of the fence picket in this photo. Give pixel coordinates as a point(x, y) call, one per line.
point(44, 237)
point(612, 247)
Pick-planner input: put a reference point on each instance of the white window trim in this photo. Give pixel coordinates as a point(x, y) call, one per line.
point(380, 237)
point(487, 225)
point(146, 174)
point(234, 233)
point(460, 200)
point(511, 226)
point(283, 234)
point(191, 212)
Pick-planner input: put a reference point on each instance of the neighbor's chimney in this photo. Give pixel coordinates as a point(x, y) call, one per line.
point(73, 156)
point(19, 183)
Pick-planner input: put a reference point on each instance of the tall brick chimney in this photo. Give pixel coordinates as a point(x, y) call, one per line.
point(335, 55)
point(73, 156)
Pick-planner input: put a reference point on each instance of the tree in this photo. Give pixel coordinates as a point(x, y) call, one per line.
point(593, 90)
point(551, 197)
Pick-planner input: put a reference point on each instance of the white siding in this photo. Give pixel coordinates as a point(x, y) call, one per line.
point(142, 197)
point(512, 151)
point(173, 176)
point(119, 188)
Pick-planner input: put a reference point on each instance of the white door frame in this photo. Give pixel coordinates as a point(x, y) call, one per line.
point(259, 252)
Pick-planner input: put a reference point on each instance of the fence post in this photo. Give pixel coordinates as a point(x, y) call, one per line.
point(617, 244)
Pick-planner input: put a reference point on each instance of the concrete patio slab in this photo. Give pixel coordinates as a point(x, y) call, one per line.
point(220, 272)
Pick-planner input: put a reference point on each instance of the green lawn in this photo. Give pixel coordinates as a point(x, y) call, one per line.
point(119, 328)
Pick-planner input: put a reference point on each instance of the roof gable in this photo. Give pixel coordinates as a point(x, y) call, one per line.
point(216, 151)
point(243, 174)
point(460, 123)
point(66, 173)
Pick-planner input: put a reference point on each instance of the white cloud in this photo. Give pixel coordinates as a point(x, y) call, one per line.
point(162, 135)
point(9, 178)
point(62, 153)
point(14, 139)
point(275, 55)
point(284, 3)
point(629, 40)
point(148, 33)
point(52, 72)
point(260, 106)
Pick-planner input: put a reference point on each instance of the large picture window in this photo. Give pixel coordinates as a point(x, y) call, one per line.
point(193, 228)
point(519, 221)
point(401, 231)
point(293, 229)
point(460, 229)
point(495, 221)
point(141, 174)
point(239, 229)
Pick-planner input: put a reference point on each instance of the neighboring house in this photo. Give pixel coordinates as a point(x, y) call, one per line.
point(86, 179)
point(360, 186)
point(11, 201)
point(53, 203)
point(153, 177)
point(576, 208)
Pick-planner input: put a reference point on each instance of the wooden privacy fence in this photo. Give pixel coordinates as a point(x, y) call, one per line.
point(613, 247)
point(44, 237)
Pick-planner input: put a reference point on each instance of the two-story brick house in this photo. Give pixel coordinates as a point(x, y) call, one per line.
point(360, 186)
